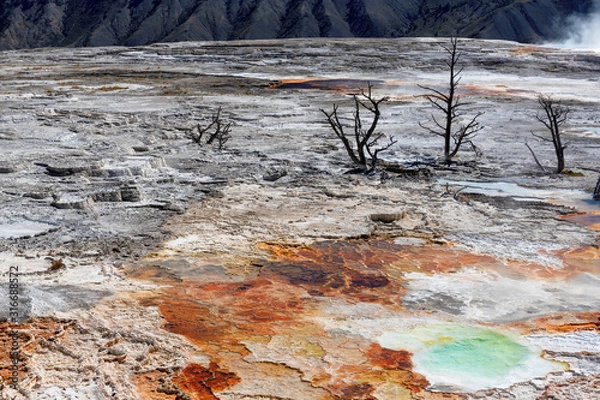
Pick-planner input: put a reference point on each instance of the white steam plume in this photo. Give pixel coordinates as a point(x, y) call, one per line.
point(584, 31)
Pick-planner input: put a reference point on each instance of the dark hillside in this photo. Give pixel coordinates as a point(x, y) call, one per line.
point(41, 23)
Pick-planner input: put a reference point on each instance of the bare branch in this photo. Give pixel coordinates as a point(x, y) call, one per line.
point(535, 158)
point(338, 129)
point(364, 133)
point(217, 130)
point(375, 154)
point(440, 95)
point(541, 137)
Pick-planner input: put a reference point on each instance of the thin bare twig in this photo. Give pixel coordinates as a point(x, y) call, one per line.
point(535, 158)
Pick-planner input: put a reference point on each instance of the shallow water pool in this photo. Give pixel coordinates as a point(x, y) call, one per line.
point(456, 357)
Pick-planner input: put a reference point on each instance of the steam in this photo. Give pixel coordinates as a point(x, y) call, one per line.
point(584, 31)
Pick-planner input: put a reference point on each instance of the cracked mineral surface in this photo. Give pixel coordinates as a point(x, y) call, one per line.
point(137, 264)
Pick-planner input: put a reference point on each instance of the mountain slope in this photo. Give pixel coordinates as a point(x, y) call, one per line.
point(40, 23)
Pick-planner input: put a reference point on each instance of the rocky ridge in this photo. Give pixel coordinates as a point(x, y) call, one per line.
point(55, 23)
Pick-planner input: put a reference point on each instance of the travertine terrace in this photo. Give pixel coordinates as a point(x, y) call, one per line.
point(153, 268)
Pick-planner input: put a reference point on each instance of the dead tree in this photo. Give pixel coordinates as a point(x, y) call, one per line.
point(218, 130)
point(553, 115)
point(451, 106)
point(597, 191)
point(361, 144)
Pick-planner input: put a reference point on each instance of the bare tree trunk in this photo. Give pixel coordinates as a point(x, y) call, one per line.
point(554, 115)
point(560, 161)
point(450, 106)
point(597, 191)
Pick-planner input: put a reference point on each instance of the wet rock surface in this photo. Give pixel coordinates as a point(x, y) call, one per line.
point(153, 268)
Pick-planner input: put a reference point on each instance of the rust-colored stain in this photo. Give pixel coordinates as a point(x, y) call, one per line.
point(218, 312)
point(6, 361)
point(357, 380)
point(29, 336)
point(591, 219)
point(149, 386)
point(417, 383)
point(201, 383)
point(325, 84)
point(564, 323)
point(494, 91)
point(377, 256)
point(358, 391)
point(389, 359)
point(530, 50)
point(285, 295)
point(579, 259)
point(283, 299)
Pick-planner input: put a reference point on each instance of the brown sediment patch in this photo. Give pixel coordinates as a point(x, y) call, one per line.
point(152, 272)
point(530, 50)
point(148, 386)
point(358, 391)
point(580, 259)
point(440, 396)
point(591, 219)
point(30, 335)
point(494, 91)
point(325, 84)
point(217, 316)
point(566, 323)
point(389, 359)
point(362, 384)
point(373, 256)
point(201, 383)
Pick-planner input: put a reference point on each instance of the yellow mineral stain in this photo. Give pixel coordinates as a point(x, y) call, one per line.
point(305, 348)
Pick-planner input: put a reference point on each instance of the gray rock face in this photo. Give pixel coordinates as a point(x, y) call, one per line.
point(27, 24)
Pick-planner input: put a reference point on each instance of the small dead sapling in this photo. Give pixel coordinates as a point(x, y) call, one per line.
point(218, 131)
point(362, 144)
point(553, 114)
